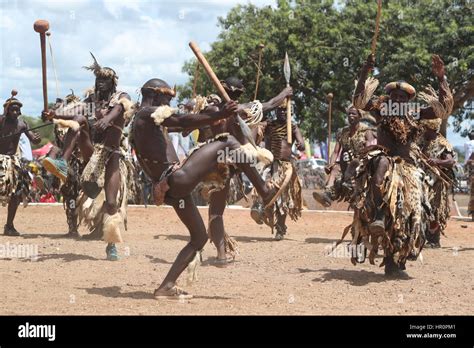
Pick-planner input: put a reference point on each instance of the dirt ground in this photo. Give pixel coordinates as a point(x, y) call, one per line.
point(290, 277)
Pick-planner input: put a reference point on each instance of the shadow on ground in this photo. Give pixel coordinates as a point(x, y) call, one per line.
point(46, 235)
point(354, 277)
point(157, 260)
point(173, 236)
point(321, 240)
point(116, 292)
point(65, 257)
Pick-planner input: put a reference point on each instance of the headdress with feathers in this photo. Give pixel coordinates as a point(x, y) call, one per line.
point(99, 71)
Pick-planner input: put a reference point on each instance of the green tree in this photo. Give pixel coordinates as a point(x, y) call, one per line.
point(47, 133)
point(327, 44)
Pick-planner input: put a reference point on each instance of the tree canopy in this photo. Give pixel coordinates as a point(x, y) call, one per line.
point(327, 44)
point(47, 133)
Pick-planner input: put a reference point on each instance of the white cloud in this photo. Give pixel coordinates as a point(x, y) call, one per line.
point(139, 39)
point(117, 7)
point(6, 22)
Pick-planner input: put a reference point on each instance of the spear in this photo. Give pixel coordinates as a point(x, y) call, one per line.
point(260, 47)
point(287, 73)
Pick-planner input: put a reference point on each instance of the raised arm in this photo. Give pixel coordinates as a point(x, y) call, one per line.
point(270, 104)
point(364, 73)
point(277, 100)
point(440, 104)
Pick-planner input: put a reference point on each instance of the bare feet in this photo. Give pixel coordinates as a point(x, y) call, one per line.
point(173, 293)
point(10, 231)
point(393, 270)
point(221, 263)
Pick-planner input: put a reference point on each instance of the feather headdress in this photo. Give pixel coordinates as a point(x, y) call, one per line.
point(104, 72)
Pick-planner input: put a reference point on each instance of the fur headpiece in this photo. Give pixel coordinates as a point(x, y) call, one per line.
point(158, 86)
point(214, 99)
point(233, 84)
point(11, 101)
point(71, 98)
point(163, 90)
point(433, 123)
point(402, 85)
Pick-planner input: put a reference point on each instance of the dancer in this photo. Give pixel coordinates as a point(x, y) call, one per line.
point(391, 200)
point(440, 162)
point(14, 179)
point(283, 172)
point(219, 182)
point(173, 181)
point(99, 138)
point(350, 142)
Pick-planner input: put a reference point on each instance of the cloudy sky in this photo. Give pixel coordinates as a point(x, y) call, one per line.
point(140, 39)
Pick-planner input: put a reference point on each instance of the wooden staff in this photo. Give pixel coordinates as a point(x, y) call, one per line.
point(437, 171)
point(329, 97)
point(377, 27)
point(41, 26)
point(260, 47)
point(26, 130)
point(217, 83)
point(209, 71)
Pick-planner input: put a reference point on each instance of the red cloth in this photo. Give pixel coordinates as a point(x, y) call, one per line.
point(42, 151)
point(47, 198)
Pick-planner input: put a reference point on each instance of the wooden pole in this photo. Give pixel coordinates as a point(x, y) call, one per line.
point(289, 129)
point(373, 46)
point(287, 73)
point(260, 47)
point(209, 71)
point(330, 96)
point(41, 26)
point(247, 133)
